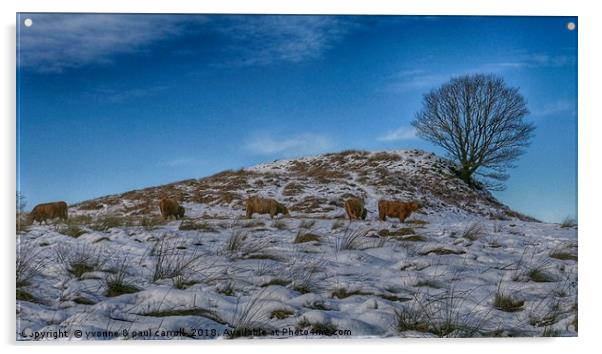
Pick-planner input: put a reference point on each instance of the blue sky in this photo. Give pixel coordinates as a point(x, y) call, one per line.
point(110, 103)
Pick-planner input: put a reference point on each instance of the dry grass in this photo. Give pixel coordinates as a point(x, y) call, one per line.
point(540, 275)
point(276, 281)
point(546, 313)
point(79, 220)
point(506, 302)
point(174, 262)
point(81, 259)
point(343, 293)
point(564, 255)
point(568, 222)
point(204, 226)
point(324, 174)
point(292, 189)
point(416, 222)
point(281, 314)
point(22, 222)
point(241, 245)
point(441, 251)
point(226, 288)
point(29, 263)
point(251, 318)
point(106, 223)
point(384, 157)
point(116, 283)
point(305, 273)
point(338, 224)
point(442, 315)
point(401, 232)
point(473, 231)
point(235, 242)
point(253, 224)
point(352, 240)
point(91, 205)
point(312, 204)
point(280, 224)
point(307, 224)
point(23, 295)
point(71, 231)
point(318, 328)
point(151, 222)
point(197, 311)
point(303, 237)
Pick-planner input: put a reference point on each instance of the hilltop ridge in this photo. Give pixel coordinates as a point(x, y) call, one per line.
point(317, 185)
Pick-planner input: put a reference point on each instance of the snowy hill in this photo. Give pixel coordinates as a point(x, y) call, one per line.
point(465, 266)
point(317, 186)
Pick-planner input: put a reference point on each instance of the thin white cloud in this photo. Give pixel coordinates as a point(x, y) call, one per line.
point(557, 107)
point(401, 134)
point(536, 60)
point(56, 42)
point(302, 144)
point(408, 80)
point(262, 40)
point(115, 95)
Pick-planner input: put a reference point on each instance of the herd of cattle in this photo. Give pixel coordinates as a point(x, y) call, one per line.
point(354, 207)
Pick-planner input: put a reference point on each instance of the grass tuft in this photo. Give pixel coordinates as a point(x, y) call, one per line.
point(540, 275)
point(240, 245)
point(174, 262)
point(187, 225)
point(568, 222)
point(506, 302)
point(72, 231)
point(351, 240)
point(23, 295)
point(80, 260)
point(303, 237)
point(473, 231)
point(106, 223)
point(342, 293)
point(28, 263)
point(250, 319)
point(281, 314)
point(116, 283)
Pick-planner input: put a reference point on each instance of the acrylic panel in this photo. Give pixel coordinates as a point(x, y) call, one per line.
point(193, 176)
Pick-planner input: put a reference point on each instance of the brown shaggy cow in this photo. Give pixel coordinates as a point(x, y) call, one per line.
point(170, 207)
point(354, 207)
point(264, 206)
point(396, 209)
point(43, 212)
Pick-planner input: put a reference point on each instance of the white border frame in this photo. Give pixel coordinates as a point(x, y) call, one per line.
point(588, 181)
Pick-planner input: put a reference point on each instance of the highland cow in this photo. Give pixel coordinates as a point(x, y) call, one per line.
point(396, 209)
point(264, 206)
point(170, 207)
point(43, 212)
point(354, 207)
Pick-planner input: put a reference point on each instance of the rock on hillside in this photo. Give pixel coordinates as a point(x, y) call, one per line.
point(316, 186)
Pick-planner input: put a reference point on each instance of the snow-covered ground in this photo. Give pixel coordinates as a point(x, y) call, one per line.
point(114, 273)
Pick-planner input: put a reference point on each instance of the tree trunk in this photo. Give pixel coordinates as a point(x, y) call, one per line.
point(465, 174)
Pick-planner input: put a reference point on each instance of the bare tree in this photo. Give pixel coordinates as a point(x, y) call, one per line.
point(480, 122)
